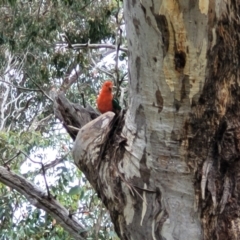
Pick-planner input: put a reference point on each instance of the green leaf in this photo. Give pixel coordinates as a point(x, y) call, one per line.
point(74, 190)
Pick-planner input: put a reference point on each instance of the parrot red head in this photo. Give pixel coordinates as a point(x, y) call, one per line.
point(107, 86)
point(105, 97)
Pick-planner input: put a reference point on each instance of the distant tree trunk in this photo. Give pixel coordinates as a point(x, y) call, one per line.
point(169, 168)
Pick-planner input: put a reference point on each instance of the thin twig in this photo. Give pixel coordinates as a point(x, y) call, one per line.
point(55, 162)
point(118, 44)
point(67, 40)
point(39, 9)
point(43, 170)
point(22, 88)
point(98, 223)
point(10, 159)
point(85, 5)
point(29, 157)
point(97, 46)
point(100, 69)
point(83, 100)
point(40, 88)
point(72, 127)
point(45, 180)
point(47, 166)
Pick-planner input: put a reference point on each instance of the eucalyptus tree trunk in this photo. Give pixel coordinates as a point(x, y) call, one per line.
point(169, 168)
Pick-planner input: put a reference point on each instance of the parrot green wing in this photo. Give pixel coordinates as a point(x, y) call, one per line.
point(116, 107)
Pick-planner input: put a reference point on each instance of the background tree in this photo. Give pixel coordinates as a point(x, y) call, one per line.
point(45, 47)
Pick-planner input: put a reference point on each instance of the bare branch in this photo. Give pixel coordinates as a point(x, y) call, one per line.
point(83, 100)
point(70, 79)
point(37, 124)
point(100, 69)
point(55, 162)
point(118, 44)
point(40, 199)
point(7, 161)
point(43, 92)
point(94, 46)
point(21, 88)
point(47, 166)
point(45, 180)
point(29, 157)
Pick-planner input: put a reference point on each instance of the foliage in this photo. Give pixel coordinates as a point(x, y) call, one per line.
point(37, 58)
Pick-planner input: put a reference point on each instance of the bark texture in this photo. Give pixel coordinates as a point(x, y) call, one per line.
point(215, 146)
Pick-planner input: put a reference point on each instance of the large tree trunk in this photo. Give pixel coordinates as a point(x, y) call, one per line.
point(168, 168)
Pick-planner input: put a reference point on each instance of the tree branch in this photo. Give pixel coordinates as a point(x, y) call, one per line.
point(40, 199)
point(43, 92)
point(93, 46)
point(21, 88)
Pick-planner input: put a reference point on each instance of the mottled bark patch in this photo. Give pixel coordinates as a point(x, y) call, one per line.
point(136, 23)
point(144, 170)
point(140, 118)
point(159, 100)
point(185, 90)
point(130, 77)
point(138, 68)
point(144, 10)
point(160, 214)
point(155, 144)
point(148, 20)
point(163, 28)
point(192, 4)
point(177, 104)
